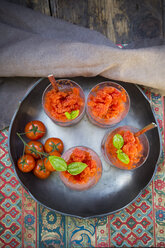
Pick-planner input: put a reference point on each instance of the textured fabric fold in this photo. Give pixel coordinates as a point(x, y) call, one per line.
point(34, 45)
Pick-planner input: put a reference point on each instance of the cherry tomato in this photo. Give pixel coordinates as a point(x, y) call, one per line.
point(47, 163)
point(33, 147)
point(54, 144)
point(40, 171)
point(35, 130)
point(26, 163)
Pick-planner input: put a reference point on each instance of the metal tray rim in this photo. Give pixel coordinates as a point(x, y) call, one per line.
point(77, 216)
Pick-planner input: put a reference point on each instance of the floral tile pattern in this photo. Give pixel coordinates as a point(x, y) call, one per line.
point(25, 223)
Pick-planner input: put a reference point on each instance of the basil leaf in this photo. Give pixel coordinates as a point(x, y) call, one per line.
point(118, 141)
point(74, 114)
point(68, 116)
point(119, 151)
point(76, 168)
point(123, 157)
point(58, 163)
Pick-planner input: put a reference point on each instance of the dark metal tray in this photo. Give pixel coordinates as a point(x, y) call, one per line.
point(116, 188)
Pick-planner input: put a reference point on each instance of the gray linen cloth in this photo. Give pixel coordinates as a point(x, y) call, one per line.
point(35, 45)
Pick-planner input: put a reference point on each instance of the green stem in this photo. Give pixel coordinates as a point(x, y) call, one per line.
point(30, 132)
point(23, 150)
point(24, 133)
point(25, 144)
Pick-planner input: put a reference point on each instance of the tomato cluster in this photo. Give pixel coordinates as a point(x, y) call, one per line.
point(36, 154)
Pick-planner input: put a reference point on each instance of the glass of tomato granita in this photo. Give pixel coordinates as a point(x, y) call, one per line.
point(123, 149)
point(108, 103)
point(66, 106)
point(89, 176)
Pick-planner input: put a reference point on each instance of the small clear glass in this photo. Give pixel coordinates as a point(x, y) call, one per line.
point(112, 160)
point(106, 123)
point(65, 85)
point(92, 180)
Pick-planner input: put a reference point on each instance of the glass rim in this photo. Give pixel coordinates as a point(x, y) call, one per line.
point(93, 180)
point(81, 146)
point(106, 136)
point(107, 82)
point(97, 120)
point(67, 121)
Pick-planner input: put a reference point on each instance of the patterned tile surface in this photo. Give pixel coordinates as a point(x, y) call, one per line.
point(24, 223)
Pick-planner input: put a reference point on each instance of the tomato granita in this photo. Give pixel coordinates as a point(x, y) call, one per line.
point(58, 103)
point(65, 106)
point(123, 149)
point(107, 104)
point(89, 176)
point(132, 147)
